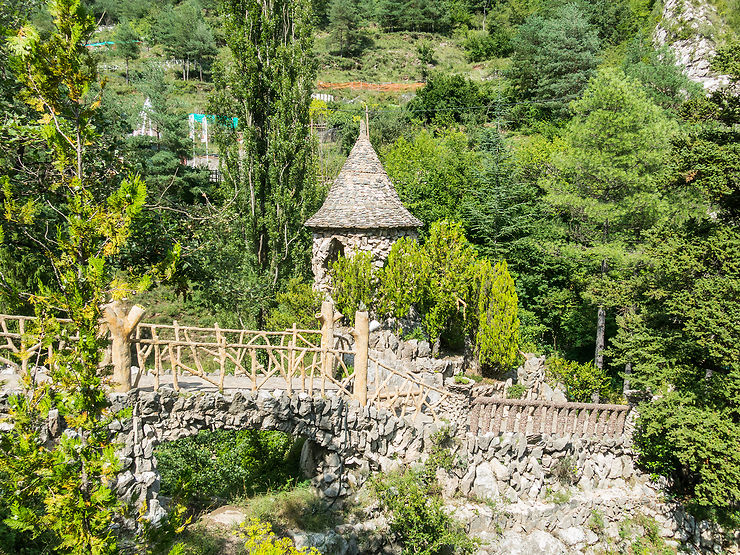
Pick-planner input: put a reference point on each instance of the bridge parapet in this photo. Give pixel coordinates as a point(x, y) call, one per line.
point(531, 417)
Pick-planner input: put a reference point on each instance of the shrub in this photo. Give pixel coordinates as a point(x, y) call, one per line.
point(497, 337)
point(353, 283)
point(298, 304)
point(581, 381)
point(565, 471)
point(418, 520)
point(481, 45)
point(261, 540)
point(224, 464)
point(456, 293)
point(516, 391)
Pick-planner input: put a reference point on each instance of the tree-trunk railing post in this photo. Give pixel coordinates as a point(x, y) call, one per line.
point(121, 324)
point(327, 317)
point(362, 341)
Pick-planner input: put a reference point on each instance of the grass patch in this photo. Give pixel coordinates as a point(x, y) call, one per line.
point(559, 497)
point(300, 507)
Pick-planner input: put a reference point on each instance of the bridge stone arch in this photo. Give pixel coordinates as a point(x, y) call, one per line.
point(348, 441)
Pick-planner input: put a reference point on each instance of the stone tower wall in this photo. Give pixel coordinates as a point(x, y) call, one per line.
point(376, 241)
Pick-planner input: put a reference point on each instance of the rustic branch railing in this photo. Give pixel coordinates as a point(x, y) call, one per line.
point(295, 356)
point(494, 415)
point(19, 346)
point(402, 392)
point(294, 360)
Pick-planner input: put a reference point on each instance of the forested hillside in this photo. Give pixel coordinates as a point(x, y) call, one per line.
point(553, 135)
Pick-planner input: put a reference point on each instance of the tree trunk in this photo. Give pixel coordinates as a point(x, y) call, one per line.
point(627, 374)
point(600, 330)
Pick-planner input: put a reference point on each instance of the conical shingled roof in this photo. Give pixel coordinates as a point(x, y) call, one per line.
point(362, 196)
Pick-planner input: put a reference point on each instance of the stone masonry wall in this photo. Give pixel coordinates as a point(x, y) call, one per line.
point(378, 242)
point(535, 493)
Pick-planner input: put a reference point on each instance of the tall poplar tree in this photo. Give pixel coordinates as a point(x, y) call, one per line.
point(267, 158)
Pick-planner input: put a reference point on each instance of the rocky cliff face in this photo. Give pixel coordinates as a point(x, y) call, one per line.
point(690, 28)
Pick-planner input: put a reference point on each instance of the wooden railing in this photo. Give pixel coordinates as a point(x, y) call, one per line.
point(294, 360)
point(402, 392)
point(19, 346)
point(494, 415)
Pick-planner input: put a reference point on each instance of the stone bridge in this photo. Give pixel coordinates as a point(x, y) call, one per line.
point(345, 441)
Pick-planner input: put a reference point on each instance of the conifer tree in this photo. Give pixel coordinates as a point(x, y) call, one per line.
point(553, 59)
point(606, 183)
point(127, 43)
point(344, 19)
point(60, 487)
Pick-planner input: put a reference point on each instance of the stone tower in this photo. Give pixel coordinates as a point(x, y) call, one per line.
point(362, 212)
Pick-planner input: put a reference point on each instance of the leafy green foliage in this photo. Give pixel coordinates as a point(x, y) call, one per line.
point(553, 59)
point(432, 174)
point(682, 339)
point(261, 540)
point(418, 519)
point(226, 465)
point(127, 42)
point(344, 18)
point(298, 304)
point(186, 36)
point(60, 488)
point(353, 283)
point(456, 293)
point(481, 45)
point(516, 391)
point(268, 157)
point(658, 72)
point(581, 381)
point(498, 320)
point(447, 99)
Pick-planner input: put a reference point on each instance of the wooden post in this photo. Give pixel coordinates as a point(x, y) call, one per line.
point(24, 359)
point(326, 318)
point(221, 340)
point(362, 340)
point(291, 358)
point(121, 325)
point(253, 356)
point(175, 361)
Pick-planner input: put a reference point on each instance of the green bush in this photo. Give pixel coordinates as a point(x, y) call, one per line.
point(581, 381)
point(353, 283)
point(418, 519)
point(225, 465)
point(298, 304)
point(456, 293)
point(516, 391)
point(481, 45)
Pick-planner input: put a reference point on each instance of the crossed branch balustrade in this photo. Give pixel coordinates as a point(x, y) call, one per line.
point(294, 360)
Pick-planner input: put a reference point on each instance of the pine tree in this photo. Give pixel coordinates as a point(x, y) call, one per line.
point(553, 59)
point(344, 20)
point(127, 42)
point(606, 184)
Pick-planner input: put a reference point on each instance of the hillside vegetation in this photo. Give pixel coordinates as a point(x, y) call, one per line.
point(579, 194)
